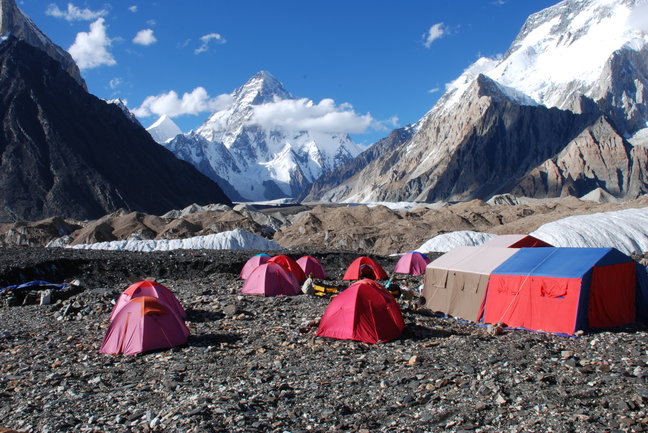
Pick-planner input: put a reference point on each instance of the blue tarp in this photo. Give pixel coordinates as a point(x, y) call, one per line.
point(559, 262)
point(35, 285)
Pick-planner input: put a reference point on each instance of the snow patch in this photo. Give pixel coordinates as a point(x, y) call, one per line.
point(232, 240)
point(447, 241)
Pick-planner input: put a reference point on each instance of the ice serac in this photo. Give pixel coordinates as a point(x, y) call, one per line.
point(261, 162)
point(14, 22)
point(563, 111)
point(65, 152)
point(164, 129)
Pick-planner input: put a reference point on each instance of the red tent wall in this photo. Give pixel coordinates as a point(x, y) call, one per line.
point(612, 296)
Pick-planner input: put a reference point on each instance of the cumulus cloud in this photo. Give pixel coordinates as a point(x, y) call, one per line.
point(196, 102)
point(206, 39)
point(133, 8)
point(144, 37)
point(304, 114)
point(90, 49)
point(73, 13)
point(435, 32)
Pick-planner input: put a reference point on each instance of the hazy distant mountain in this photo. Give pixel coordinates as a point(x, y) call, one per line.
point(261, 163)
point(65, 152)
point(14, 22)
point(164, 129)
point(557, 114)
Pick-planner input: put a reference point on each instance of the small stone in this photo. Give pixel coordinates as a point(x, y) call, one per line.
point(566, 354)
point(500, 399)
point(412, 360)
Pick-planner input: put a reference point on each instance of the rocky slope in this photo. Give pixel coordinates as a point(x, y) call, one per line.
point(66, 153)
point(14, 22)
point(529, 123)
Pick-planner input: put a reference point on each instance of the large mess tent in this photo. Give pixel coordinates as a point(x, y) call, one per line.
point(563, 290)
point(455, 283)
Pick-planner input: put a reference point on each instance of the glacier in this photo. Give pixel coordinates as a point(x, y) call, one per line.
point(626, 230)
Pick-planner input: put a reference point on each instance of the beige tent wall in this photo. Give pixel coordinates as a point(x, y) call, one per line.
point(455, 283)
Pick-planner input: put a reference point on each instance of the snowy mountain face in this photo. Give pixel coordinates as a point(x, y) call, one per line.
point(575, 49)
point(14, 22)
point(164, 129)
point(260, 161)
point(563, 112)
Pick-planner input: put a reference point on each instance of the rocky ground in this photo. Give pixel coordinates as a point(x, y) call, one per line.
point(254, 364)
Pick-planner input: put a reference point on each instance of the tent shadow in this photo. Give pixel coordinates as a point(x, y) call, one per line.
point(205, 340)
point(201, 316)
point(418, 332)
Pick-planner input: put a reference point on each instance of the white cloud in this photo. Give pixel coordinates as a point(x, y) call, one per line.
point(133, 8)
point(151, 23)
point(115, 82)
point(90, 50)
point(73, 13)
point(196, 102)
point(304, 114)
point(434, 90)
point(144, 37)
point(638, 18)
point(206, 39)
point(435, 32)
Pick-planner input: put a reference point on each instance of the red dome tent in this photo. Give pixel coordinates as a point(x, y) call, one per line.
point(364, 267)
point(290, 265)
point(363, 312)
point(143, 324)
point(413, 263)
point(271, 279)
point(310, 265)
point(252, 264)
point(149, 288)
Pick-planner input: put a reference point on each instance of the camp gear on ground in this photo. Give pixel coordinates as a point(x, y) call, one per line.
point(363, 312)
point(144, 324)
point(290, 265)
point(324, 290)
point(149, 288)
point(271, 279)
point(310, 265)
point(364, 267)
point(252, 264)
point(412, 263)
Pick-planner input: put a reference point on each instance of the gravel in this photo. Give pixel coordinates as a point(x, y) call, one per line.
point(254, 364)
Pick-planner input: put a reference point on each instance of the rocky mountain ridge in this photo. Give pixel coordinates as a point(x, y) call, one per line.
point(66, 153)
point(526, 123)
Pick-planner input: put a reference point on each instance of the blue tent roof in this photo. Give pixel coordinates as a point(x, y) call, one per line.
point(559, 262)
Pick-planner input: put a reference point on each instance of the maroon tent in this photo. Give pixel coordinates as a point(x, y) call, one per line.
point(149, 288)
point(290, 265)
point(144, 324)
point(364, 267)
point(252, 264)
point(515, 241)
point(271, 279)
point(363, 312)
point(310, 265)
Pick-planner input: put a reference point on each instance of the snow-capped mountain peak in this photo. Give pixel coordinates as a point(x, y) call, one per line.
point(164, 129)
point(262, 161)
point(561, 52)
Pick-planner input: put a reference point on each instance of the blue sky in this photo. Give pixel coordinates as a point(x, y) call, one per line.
point(383, 63)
